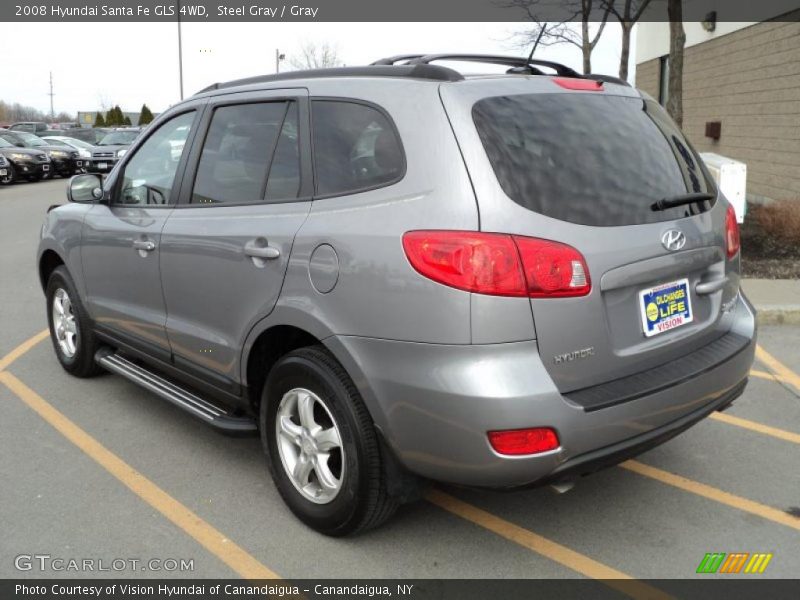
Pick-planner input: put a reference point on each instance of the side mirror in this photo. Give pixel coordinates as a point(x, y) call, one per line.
point(85, 188)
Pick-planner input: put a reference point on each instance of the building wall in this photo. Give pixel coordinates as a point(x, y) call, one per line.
point(749, 80)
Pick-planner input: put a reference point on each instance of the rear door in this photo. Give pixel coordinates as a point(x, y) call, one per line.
point(584, 168)
point(225, 248)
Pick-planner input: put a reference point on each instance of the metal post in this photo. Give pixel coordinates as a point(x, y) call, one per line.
point(277, 60)
point(51, 94)
point(180, 49)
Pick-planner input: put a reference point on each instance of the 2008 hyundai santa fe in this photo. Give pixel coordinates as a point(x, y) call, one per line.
point(396, 273)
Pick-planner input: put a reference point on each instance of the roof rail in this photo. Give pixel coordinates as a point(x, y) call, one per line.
point(420, 71)
point(508, 61)
point(517, 64)
point(607, 79)
point(396, 59)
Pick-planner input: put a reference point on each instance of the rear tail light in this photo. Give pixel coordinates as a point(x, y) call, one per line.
point(552, 269)
point(517, 442)
point(498, 264)
point(732, 243)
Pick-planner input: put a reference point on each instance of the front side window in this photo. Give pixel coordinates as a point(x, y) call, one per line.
point(250, 154)
point(150, 173)
point(355, 147)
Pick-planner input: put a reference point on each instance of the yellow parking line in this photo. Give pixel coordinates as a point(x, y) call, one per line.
point(781, 371)
point(24, 347)
point(554, 551)
point(781, 434)
point(207, 536)
point(762, 374)
point(712, 493)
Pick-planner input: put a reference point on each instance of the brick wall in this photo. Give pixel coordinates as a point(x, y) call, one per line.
point(750, 81)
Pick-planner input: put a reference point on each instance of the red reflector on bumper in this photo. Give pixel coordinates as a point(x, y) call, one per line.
point(517, 442)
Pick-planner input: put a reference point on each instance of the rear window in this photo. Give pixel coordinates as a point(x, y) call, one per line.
point(594, 159)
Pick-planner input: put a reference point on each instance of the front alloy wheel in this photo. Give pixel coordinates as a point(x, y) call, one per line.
point(70, 326)
point(64, 326)
point(310, 445)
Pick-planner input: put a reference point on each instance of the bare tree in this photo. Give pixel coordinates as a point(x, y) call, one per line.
point(550, 34)
point(677, 41)
point(104, 102)
point(627, 12)
point(312, 56)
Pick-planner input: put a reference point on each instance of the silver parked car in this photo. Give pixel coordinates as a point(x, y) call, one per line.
point(396, 273)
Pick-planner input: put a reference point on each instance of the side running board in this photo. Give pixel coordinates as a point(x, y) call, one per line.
point(214, 415)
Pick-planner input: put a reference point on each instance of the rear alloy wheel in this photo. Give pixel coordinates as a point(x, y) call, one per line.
point(323, 450)
point(311, 452)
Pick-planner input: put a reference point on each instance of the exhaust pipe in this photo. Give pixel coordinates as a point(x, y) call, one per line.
point(562, 487)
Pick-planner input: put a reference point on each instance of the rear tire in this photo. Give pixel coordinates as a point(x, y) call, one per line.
point(70, 327)
point(343, 491)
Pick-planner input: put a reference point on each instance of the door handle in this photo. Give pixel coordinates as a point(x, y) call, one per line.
point(145, 245)
point(266, 252)
point(709, 287)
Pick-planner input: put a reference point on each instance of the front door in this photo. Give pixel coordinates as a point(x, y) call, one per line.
point(226, 246)
point(122, 238)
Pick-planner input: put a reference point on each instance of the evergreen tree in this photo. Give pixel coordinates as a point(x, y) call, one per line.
point(126, 121)
point(111, 118)
point(145, 116)
point(99, 121)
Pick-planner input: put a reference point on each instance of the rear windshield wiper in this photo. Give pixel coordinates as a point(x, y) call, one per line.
point(674, 201)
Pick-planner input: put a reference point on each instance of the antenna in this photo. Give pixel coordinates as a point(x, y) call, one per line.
point(51, 94)
point(538, 39)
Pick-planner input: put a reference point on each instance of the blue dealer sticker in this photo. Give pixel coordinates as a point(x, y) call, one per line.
point(665, 307)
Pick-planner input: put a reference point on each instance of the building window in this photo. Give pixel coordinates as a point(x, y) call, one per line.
point(663, 80)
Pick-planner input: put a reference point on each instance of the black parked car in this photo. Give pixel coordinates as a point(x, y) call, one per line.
point(6, 171)
point(66, 162)
point(25, 163)
point(29, 126)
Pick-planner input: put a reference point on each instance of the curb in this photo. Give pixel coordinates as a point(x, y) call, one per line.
point(778, 315)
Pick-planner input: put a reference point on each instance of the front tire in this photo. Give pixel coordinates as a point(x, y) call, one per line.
point(70, 326)
point(322, 447)
point(12, 175)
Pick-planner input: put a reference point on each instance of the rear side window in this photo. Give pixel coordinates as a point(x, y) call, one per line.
point(356, 148)
point(591, 159)
point(250, 154)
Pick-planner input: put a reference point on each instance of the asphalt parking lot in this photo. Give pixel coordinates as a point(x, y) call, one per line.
point(102, 469)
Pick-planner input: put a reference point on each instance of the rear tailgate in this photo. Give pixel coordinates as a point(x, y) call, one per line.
point(584, 168)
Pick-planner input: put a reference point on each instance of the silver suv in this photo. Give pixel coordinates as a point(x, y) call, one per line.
point(396, 273)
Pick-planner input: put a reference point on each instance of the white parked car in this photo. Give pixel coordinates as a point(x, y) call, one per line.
point(83, 148)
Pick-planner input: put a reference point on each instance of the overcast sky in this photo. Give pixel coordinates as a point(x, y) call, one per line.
point(133, 63)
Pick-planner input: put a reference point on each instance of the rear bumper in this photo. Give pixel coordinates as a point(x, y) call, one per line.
point(435, 403)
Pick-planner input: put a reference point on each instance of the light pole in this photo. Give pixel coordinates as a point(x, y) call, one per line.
point(180, 49)
point(278, 58)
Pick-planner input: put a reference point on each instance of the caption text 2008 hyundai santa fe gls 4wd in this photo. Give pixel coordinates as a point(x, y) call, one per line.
point(396, 273)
